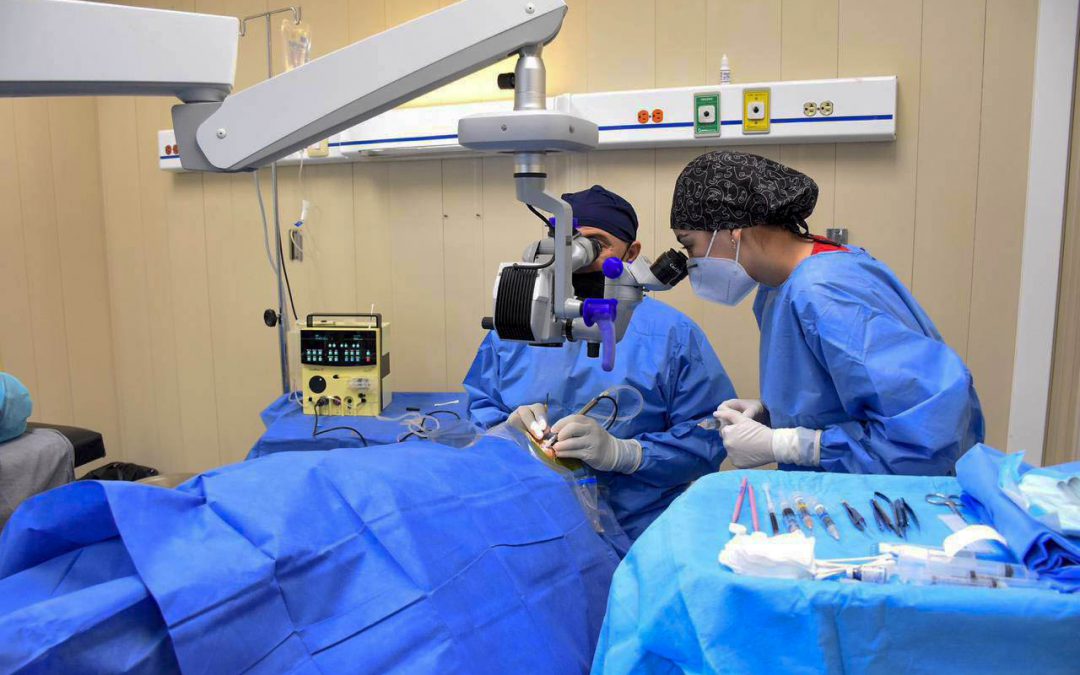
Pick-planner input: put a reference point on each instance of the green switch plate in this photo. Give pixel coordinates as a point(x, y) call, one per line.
point(707, 114)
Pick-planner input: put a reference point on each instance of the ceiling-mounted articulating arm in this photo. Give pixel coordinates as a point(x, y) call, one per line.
point(138, 51)
point(297, 108)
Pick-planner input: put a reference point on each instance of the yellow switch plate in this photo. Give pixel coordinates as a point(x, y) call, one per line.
point(756, 112)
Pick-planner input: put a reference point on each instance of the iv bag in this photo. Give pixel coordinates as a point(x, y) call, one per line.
point(297, 39)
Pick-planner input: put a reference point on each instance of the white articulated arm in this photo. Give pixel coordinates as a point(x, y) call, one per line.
point(67, 48)
point(283, 114)
point(44, 48)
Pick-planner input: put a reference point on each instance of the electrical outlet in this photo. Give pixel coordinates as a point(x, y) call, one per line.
point(825, 108)
point(756, 118)
point(809, 108)
point(707, 114)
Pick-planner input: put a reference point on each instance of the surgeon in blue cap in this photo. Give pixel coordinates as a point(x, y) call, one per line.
point(855, 377)
point(642, 463)
point(15, 407)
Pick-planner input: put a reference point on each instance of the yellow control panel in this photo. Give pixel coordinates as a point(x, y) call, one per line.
point(345, 364)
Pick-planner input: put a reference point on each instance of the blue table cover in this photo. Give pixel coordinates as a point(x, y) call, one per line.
point(674, 608)
point(289, 429)
point(406, 558)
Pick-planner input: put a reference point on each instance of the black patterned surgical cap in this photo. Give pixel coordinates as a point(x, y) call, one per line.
point(726, 190)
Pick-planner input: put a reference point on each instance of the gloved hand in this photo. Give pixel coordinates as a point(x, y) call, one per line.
point(750, 407)
point(530, 419)
point(582, 437)
point(751, 444)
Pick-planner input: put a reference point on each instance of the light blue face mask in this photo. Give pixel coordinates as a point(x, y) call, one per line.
point(721, 280)
point(15, 407)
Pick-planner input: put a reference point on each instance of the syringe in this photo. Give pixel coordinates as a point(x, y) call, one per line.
point(946, 565)
point(827, 521)
point(789, 516)
point(807, 519)
point(772, 510)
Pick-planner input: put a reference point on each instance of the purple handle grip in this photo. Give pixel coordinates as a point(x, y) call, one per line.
point(602, 313)
point(607, 345)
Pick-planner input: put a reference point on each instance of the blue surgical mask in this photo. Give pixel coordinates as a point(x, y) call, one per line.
point(15, 407)
point(721, 280)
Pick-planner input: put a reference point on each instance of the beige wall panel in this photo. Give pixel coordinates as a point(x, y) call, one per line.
point(875, 182)
point(52, 398)
point(809, 50)
point(251, 57)
point(81, 237)
point(329, 23)
point(952, 45)
point(325, 280)
point(245, 355)
point(366, 18)
point(16, 332)
point(567, 58)
point(467, 289)
point(480, 86)
point(128, 295)
point(999, 214)
point(400, 11)
point(374, 241)
point(749, 33)
point(818, 162)
point(567, 172)
point(620, 44)
point(681, 29)
point(170, 455)
point(810, 39)
point(191, 308)
point(419, 322)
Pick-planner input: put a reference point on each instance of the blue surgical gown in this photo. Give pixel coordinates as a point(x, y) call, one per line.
point(846, 349)
point(663, 354)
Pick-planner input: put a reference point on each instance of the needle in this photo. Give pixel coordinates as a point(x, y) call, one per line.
point(772, 511)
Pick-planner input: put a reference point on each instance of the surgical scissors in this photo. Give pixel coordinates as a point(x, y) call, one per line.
point(952, 501)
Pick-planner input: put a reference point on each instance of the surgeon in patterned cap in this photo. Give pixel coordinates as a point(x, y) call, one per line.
point(855, 377)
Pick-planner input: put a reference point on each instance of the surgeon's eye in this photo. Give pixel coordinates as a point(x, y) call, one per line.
point(604, 245)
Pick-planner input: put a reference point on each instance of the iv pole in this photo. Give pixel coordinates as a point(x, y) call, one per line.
point(282, 318)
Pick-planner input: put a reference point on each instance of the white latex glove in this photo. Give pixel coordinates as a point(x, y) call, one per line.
point(530, 419)
point(581, 437)
point(750, 407)
point(751, 444)
point(748, 443)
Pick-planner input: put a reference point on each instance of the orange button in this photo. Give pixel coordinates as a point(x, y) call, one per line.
point(168, 149)
point(643, 117)
point(658, 115)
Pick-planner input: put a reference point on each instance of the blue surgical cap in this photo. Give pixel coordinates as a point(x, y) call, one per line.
point(603, 209)
point(15, 407)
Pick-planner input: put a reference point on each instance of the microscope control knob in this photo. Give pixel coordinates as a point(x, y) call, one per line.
point(613, 268)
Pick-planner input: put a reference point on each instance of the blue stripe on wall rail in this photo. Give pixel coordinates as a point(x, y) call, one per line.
point(615, 127)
